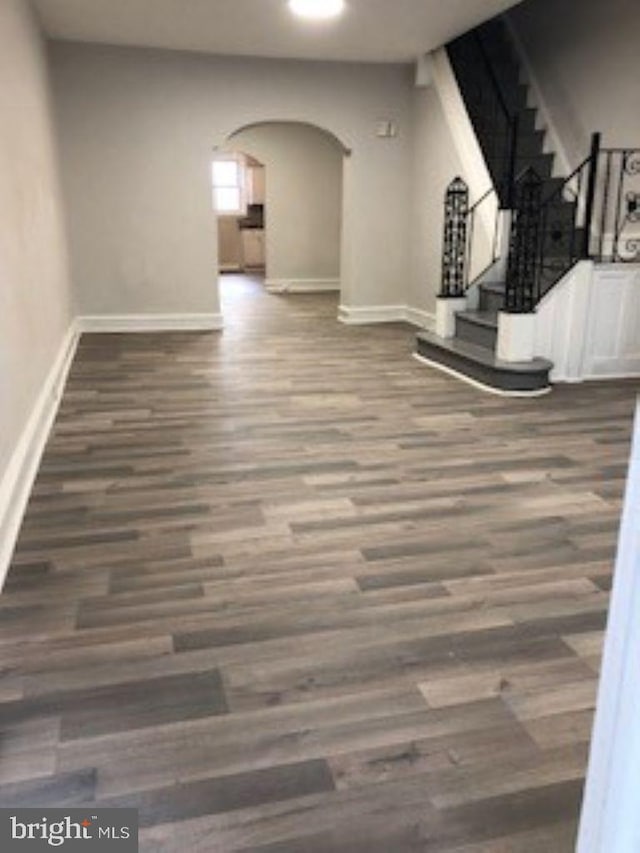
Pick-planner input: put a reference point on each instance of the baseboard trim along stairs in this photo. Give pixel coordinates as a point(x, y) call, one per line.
point(364, 315)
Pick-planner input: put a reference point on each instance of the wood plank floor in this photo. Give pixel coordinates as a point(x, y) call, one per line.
point(285, 589)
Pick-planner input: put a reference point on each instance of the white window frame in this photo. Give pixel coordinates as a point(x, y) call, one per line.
point(239, 185)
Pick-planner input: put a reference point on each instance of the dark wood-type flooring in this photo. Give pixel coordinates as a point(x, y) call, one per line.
point(282, 588)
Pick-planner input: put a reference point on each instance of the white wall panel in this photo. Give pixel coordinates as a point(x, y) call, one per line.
point(588, 325)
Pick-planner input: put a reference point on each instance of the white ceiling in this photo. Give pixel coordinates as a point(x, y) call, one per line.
point(370, 31)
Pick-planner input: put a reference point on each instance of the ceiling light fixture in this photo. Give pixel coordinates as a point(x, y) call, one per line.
point(318, 9)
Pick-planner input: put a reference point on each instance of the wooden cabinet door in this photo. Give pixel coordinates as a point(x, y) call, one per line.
point(253, 247)
point(256, 185)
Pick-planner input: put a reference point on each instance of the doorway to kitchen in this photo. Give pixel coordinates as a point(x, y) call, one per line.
point(289, 229)
point(238, 186)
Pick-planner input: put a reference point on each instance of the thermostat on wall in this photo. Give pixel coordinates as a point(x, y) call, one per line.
point(386, 129)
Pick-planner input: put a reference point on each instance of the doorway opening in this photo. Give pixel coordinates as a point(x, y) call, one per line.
point(297, 171)
point(238, 188)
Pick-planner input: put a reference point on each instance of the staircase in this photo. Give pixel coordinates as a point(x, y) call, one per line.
point(472, 350)
point(488, 76)
point(544, 225)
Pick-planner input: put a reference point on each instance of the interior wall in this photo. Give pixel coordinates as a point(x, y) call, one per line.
point(303, 199)
point(435, 162)
point(35, 303)
point(584, 55)
point(137, 128)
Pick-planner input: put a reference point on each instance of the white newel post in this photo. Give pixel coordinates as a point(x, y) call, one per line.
point(446, 308)
point(516, 336)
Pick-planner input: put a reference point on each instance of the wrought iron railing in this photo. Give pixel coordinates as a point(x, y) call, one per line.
point(454, 239)
point(552, 223)
point(471, 237)
point(593, 214)
point(522, 286)
point(615, 233)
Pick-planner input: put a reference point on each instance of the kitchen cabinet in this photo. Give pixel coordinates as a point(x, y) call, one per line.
point(256, 185)
point(253, 248)
point(229, 244)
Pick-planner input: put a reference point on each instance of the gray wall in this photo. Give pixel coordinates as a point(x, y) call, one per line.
point(35, 308)
point(435, 164)
point(584, 55)
point(137, 129)
point(303, 198)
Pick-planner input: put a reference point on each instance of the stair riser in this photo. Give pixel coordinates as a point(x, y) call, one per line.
point(526, 117)
point(527, 121)
point(529, 144)
point(490, 301)
point(543, 165)
point(567, 246)
point(474, 333)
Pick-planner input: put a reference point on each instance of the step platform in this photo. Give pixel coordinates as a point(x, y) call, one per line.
point(481, 365)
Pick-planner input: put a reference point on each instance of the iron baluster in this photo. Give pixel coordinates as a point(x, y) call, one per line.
point(455, 246)
point(523, 266)
point(591, 193)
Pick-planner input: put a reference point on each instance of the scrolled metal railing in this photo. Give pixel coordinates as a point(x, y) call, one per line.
point(615, 235)
point(593, 214)
point(522, 281)
point(471, 237)
point(547, 234)
point(454, 239)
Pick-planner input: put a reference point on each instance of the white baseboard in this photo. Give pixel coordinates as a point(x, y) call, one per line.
point(623, 368)
point(420, 318)
point(150, 322)
point(362, 315)
point(18, 478)
point(301, 285)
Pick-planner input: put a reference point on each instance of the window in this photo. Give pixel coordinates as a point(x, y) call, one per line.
point(228, 185)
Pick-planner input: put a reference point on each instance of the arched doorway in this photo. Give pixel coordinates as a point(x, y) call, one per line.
point(302, 209)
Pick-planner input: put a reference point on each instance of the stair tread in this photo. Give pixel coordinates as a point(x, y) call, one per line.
point(493, 286)
point(480, 318)
point(483, 355)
